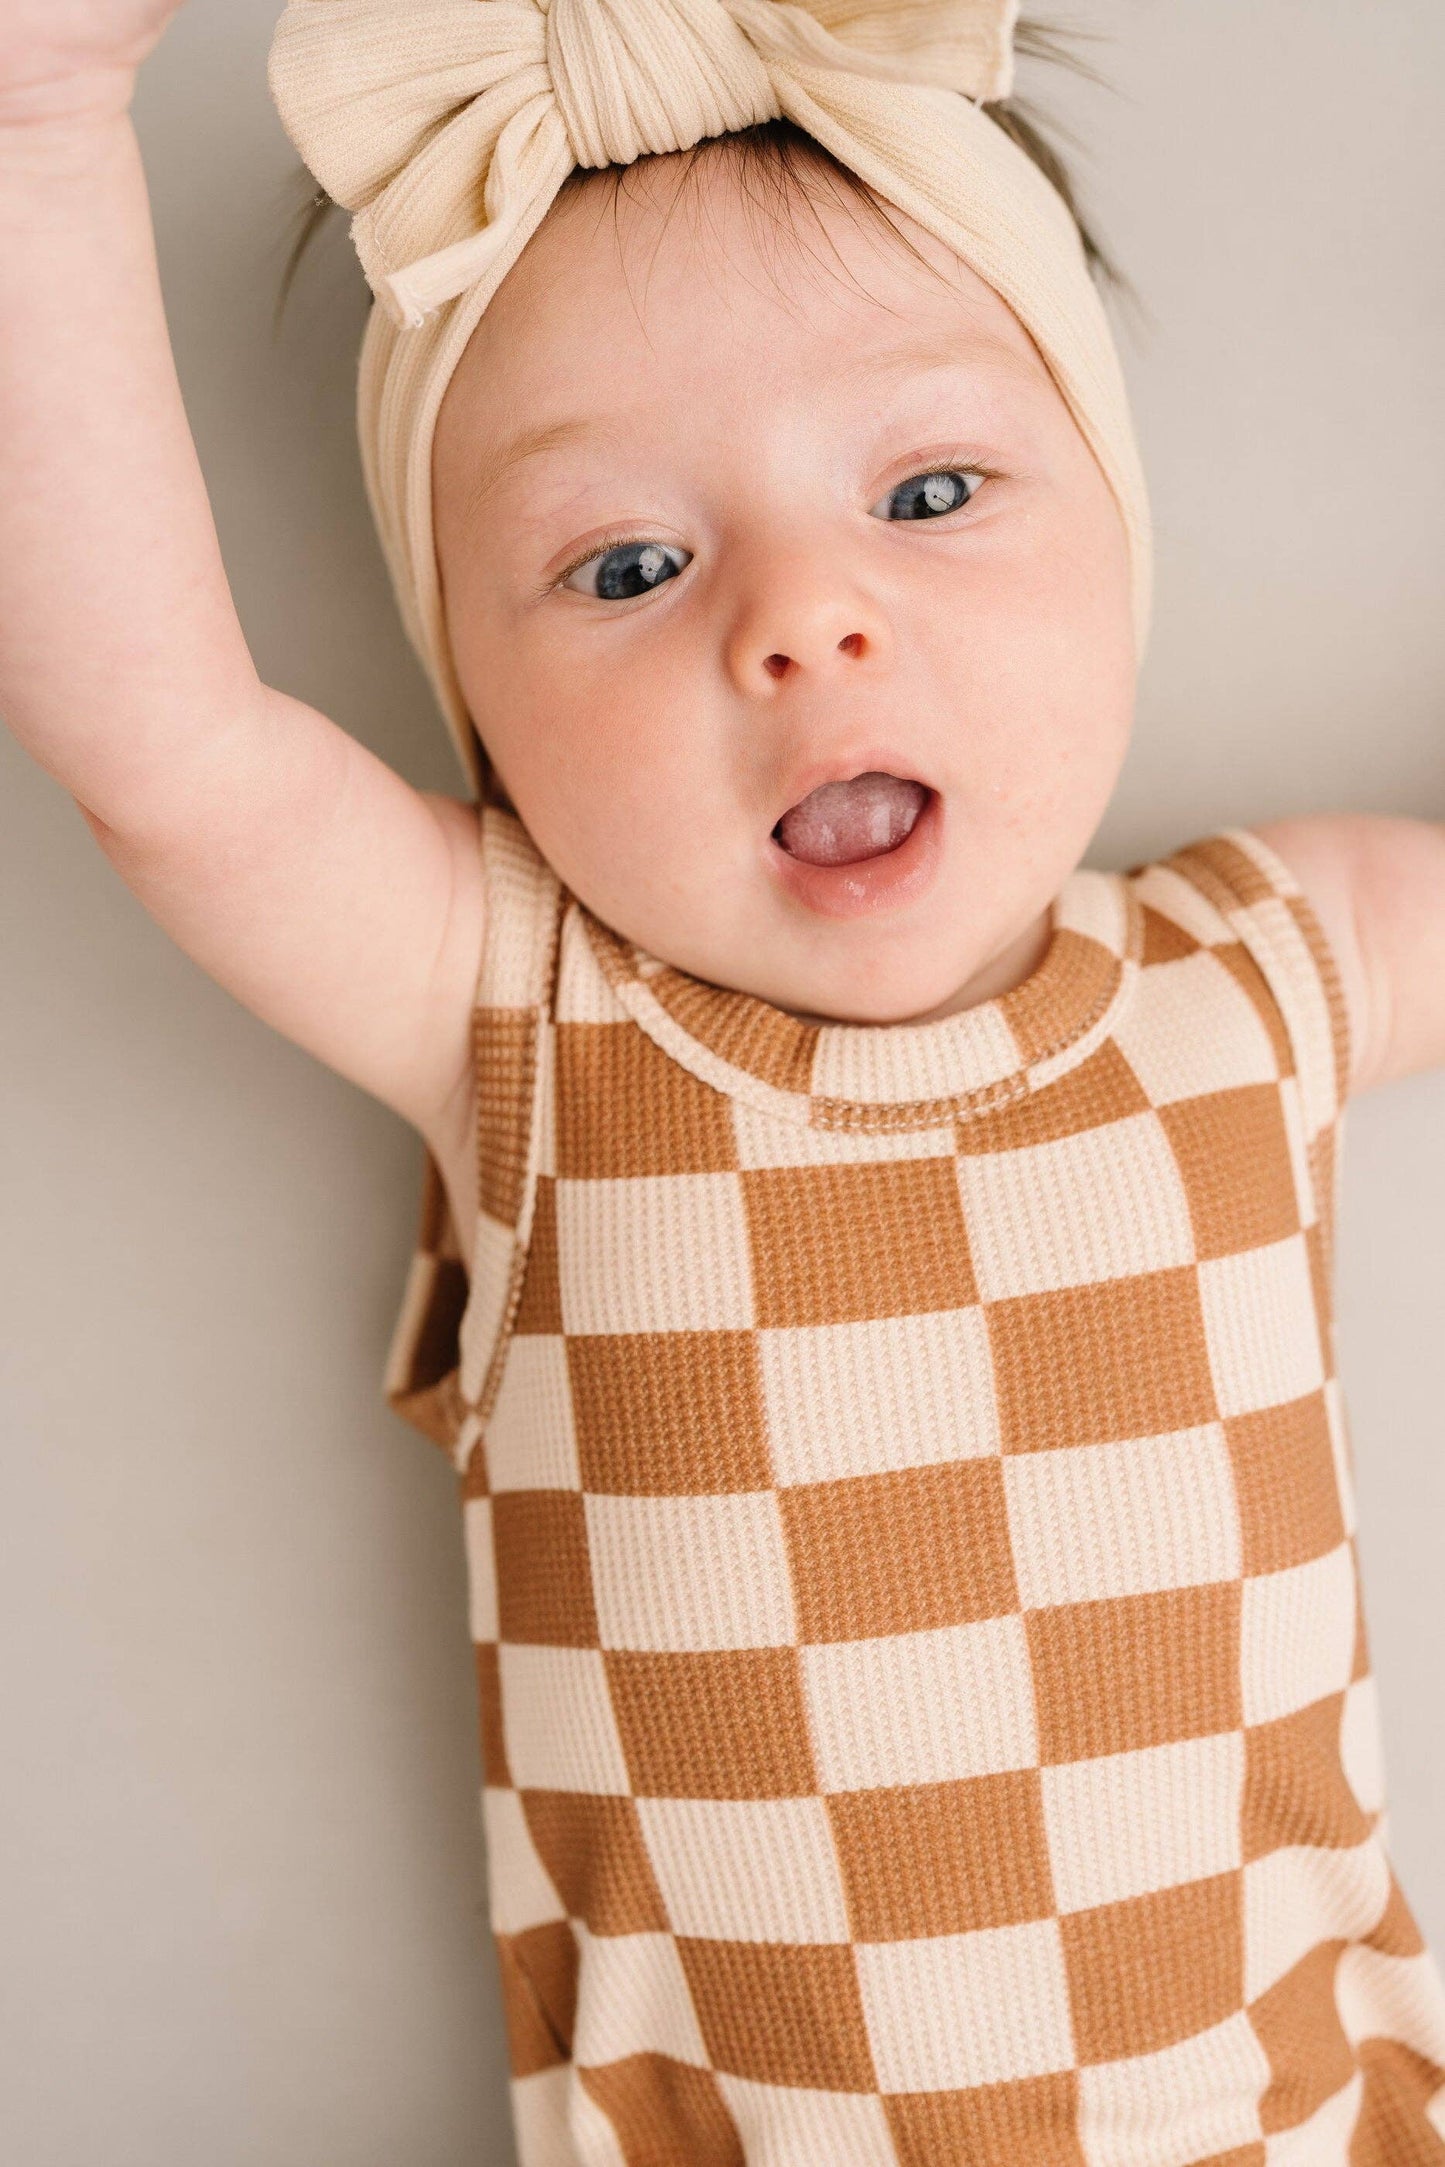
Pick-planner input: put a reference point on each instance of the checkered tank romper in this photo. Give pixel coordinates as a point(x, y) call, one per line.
point(925, 1702)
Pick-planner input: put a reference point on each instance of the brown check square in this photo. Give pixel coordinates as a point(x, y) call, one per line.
point(593, 1848)
point(1246, 973)
point(1101, 1089)
point(624, 1108)
point(835, 1244)
point(540, 1307)
point(1154, 1969)
point(1164, 941)
point(544, 1572)
point(543, 1973)
point(781, 2013)
point(717, 1724)
point(1284, 1478)
point(1233, 1154)
point(943, 1858)
point(669, 1413)
point(505, 1046)
point(1295, 1787)
point(663, 2109)
point(1092, 1364)
point(1136, 1670)
point(1298, 2024)
point(489, 1711)
point(900, 1552)
point(990, 2125)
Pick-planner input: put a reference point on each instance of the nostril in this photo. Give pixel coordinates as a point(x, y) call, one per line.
point(776, 665)
point(852, 645)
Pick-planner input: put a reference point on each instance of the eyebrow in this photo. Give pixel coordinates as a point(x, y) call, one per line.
point(534, 444)
point(927, 356)
point(936, 353)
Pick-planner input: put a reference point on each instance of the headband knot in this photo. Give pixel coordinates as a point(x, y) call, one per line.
point(637, 76)
point(445, 124)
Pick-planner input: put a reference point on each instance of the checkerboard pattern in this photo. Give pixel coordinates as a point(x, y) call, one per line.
point(925, 1702)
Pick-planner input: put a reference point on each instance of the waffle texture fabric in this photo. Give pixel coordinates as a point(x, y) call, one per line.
point(448, 127)
point(925, 1700)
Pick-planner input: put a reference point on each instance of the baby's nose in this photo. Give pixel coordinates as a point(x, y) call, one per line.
point(854, 644)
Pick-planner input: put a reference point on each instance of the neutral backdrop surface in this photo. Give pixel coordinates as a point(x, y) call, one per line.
point(239, 1845)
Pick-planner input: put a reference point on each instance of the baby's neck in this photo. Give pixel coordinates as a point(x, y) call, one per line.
point(1008, 969)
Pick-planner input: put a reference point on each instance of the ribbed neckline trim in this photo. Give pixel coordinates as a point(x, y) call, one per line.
point(897, 1076)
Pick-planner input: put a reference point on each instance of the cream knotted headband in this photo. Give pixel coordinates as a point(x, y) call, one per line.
point(448, 126)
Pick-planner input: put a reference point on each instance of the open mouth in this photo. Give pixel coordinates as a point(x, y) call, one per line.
point(843, 823)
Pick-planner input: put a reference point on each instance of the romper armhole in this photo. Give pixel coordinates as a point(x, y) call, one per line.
point(1253, 888)
point(446, 1347)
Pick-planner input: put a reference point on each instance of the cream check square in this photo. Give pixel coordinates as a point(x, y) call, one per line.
point(632, 1998)
point(1309, 1016)
point(967, 2009)
point(1179, 900)
point(1194, 2101)
point(1292, 1115)
point(491, 1266)
point(555, 2119)
point(531, 1440)
point(896, 1066)
point(1259, 1321)
point(560, 1732)
point(778, 2123)
point(1301, 1895)
point(583, 994)
point(1191, 1028)
point(523, 1893)
point(1131, 1823)
point(481, 1567)
point(746, 1869)
point(1103, 1204)
point(921, 1707)
point(1297, 1635)
point(1093, 1521)
point(867, 1398)
point(1361, 1748)
point(677, 1574)
point(677, 1254)
point(1368, 1983)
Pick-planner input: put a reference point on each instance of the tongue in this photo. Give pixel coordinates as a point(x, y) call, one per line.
point(839, 823)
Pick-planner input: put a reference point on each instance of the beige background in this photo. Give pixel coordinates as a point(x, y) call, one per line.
point(243, 1898)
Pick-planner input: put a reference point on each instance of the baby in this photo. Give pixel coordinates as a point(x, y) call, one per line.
point(875, 1273)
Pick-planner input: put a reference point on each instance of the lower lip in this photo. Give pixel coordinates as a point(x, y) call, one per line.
point(869, 885)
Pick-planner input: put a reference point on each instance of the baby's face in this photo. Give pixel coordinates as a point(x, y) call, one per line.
point(721, 521)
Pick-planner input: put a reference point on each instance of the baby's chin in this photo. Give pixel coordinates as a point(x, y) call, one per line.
point(916, 967)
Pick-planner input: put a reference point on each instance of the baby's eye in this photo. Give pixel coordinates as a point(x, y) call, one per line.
point(929, 496)
point(615, 575)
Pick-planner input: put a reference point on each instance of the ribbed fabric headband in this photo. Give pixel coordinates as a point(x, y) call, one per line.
point(448, 126)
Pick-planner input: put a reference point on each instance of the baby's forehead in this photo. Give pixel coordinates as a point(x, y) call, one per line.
point(661, 268)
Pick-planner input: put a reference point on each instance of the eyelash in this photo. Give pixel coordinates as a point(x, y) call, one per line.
point(599, 549)
point(632, 541)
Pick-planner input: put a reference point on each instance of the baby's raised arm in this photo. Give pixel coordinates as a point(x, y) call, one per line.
point(338, 903)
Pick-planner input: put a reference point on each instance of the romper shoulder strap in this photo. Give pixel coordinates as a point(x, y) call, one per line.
point(441, 1368)
point(1255, 890)
point(1261, 905)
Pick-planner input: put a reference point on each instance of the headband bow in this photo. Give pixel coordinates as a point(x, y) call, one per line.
point(442, 124)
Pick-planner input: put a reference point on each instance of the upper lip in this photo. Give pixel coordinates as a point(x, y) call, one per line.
point(878, 760)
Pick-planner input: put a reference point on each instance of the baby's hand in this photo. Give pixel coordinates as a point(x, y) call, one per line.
point(60, 58)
